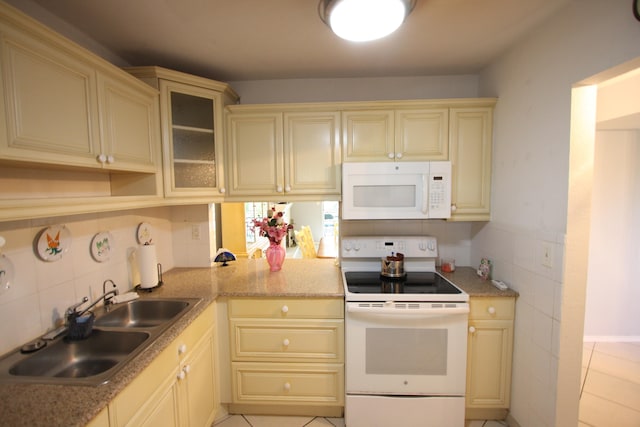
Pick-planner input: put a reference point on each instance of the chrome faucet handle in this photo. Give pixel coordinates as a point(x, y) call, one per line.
point(73, 308)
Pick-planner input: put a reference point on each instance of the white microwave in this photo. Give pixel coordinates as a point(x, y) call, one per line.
point(399, 190)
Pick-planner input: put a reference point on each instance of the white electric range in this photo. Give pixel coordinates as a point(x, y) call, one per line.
point(405, 337)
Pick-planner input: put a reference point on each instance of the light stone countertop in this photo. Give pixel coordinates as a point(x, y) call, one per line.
point(63, 405)
point(49, 405)
point(468, 280)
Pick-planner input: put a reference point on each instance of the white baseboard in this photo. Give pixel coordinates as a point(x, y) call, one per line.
point(609, 338)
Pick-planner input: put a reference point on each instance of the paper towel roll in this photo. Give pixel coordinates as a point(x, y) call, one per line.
point(148, 266)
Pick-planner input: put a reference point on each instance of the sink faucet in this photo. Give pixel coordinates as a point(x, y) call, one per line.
point(106, 297)
point(110, 294)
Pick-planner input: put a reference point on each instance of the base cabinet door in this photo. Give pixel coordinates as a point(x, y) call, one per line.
point(197, 385)
point(178, 387)
point(489, 357)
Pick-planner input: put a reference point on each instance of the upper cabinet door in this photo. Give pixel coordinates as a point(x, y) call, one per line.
point(255, 154)
point(51, 103)
point(422, 134)
point(367, 135)
point(400, 134)
point(312, 153)
point(129, 124)
point(471, 134)
point(192, 140)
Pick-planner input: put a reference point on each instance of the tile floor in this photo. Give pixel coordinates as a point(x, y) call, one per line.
point(275, 421)
point(610, 394)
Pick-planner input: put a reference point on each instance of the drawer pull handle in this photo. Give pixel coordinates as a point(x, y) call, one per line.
point(285, 309)
point(287, 386)
point(491, 310)
point(285, 342)
point(182, 349)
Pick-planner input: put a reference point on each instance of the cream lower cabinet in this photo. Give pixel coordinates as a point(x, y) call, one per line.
point(287, 356)
point(277, 153)
point(178, 387)
point(470, 154)
point(489, 356)
point(403, 134)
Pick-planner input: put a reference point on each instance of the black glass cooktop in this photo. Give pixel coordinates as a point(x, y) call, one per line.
point(367, 282)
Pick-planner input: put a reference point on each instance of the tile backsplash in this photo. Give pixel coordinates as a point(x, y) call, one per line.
point(41, 291)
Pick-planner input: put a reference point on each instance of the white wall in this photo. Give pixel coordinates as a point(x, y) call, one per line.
point(41, 291)
point(533, 82)
point(356, 89)
point(614, 267)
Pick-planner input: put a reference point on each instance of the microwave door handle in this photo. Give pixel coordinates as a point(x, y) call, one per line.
point(425, 194)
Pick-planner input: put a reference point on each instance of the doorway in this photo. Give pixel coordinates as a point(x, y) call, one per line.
point(587, 109)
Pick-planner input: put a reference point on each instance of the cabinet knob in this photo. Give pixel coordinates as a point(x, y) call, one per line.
point(181, 375)
point(186, 369)
point(182, 349)
point(472, 329)
point(391, 155)
point(287, 386)
point(454, 208)
point(398, 155)
point(102, 158)
point(491, 310)
point(287, 189)
point(110, 159)
point(285, 309)
point(222, 190)
point(279, 189)
point(285, 342)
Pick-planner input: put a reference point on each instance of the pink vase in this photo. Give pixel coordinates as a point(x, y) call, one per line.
point(275, 256)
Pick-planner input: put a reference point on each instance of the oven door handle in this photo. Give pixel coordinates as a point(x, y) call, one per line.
point(440, 311)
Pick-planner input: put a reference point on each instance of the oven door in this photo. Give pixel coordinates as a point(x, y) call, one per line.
point(408, 348)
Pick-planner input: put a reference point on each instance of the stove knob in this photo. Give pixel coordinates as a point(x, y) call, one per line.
point(431, 245)
point(346, 245)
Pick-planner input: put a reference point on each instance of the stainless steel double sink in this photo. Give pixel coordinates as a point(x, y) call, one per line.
point(118, 335)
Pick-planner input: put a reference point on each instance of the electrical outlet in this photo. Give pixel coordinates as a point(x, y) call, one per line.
point(195, 232)
point(547, 255)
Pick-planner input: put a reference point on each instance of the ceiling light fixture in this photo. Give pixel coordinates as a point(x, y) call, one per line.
point(364, 20)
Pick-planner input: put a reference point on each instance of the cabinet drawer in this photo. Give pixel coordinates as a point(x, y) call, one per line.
point(491, 308)
point(278, 383)
point(297, 340)
point(287, 308)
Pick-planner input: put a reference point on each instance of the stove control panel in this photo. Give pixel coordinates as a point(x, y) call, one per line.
point(380, 246)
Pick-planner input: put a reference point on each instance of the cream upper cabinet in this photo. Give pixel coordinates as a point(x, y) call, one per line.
point(411, 134)
point(489, 356)
point(65, 107)
point(470, 154)
point(129, 125)
point(191, 111)
point(283, 153)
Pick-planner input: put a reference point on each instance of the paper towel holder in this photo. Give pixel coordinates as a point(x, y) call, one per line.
point(139, 287)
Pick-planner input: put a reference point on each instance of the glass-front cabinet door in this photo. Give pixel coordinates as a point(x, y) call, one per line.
point(192, 140)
